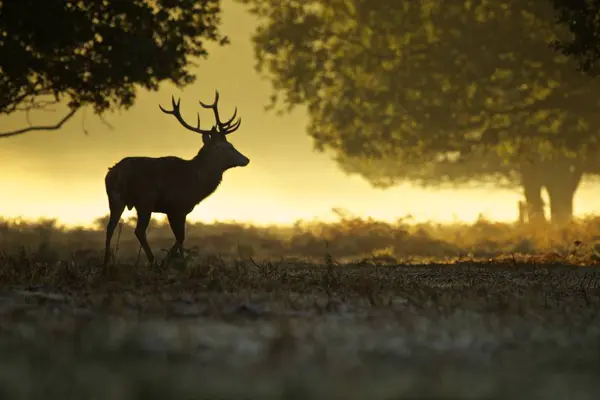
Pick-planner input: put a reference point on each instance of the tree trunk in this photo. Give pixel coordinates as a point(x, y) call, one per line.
point(561, 205)
point(532, 190)
point(561, 179)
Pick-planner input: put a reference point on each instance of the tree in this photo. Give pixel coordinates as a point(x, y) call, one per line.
point(583, 45)
point(436, 91)
point(96, 52)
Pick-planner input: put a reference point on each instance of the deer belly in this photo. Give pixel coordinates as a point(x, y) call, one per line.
point(171, 205)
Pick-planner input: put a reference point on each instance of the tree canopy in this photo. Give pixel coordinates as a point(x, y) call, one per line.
point(581, 17)
point(436, 91)
point(96, 52)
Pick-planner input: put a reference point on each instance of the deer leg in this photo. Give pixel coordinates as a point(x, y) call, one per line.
point(177, 224)
point(116, 210)
point(143, 221)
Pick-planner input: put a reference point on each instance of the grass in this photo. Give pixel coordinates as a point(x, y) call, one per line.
point(316, 322)
point(349, 239)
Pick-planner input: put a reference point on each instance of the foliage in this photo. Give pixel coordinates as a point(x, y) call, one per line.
point(581, 19)
point(433, 92)
point(98, 53)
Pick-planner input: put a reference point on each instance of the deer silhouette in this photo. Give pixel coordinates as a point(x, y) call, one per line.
point(171, 185)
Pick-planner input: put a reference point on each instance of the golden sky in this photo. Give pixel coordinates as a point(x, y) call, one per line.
point(60, 174)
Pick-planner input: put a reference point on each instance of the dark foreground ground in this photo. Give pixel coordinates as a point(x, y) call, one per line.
point(240, 330)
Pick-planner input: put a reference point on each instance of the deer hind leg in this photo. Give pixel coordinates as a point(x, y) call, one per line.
point(117, 206)
point(143, 221)
point(177, 224)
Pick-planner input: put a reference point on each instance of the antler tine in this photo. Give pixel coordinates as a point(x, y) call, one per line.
point(224, 127)
point(227, 123)
point(174, 104)
point(233, 128)
point(177, 114)
point(215, 102)
point(214, 106)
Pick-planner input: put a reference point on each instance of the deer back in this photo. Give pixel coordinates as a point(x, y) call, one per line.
point(165, 184)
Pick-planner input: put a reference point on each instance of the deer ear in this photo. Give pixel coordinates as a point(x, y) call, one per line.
point(206, 138)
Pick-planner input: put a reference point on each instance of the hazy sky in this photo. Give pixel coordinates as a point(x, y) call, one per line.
point(61, 174)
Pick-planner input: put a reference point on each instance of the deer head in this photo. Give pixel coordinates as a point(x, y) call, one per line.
point(216, 150)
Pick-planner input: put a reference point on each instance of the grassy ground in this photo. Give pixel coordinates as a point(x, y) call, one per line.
point(220, 329)
point(353, 310)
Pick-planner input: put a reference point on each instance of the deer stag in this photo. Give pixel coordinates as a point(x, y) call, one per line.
point(171, 185)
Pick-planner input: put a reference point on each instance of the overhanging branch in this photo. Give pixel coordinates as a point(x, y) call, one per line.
point(54, 127)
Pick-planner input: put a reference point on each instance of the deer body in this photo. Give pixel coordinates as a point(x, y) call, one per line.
point(166, 184)
point(170, 185)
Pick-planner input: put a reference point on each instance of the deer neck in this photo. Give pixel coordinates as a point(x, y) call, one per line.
point(209, 177)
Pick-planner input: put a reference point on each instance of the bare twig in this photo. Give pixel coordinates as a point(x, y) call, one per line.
point(13, 102)
point(106, 123)
point(102, 120)
point(85, 131)
point(57, 126)
point(27, 117)
point(35, 103)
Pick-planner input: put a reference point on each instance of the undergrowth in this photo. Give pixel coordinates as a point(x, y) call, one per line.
point(349, 239)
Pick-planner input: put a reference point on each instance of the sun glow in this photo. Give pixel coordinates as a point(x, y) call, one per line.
point(81, 202)
point(61, 174)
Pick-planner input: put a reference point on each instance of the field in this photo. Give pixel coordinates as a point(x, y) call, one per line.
point(354, 310)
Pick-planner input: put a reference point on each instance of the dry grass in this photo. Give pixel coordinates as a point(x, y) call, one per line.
point(336, 318)
point(350, 239)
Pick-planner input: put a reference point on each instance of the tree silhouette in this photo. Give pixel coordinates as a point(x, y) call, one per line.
point(97, 52)
point(581, 19)
point(436, 92)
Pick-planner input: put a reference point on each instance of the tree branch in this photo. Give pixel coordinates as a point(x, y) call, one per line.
point(57, 126)
point(12, 103)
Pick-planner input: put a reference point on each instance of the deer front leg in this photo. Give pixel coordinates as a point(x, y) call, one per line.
point(143, 221)
point(177, 224)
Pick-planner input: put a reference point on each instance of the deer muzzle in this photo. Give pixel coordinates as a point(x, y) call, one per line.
point(240, 160)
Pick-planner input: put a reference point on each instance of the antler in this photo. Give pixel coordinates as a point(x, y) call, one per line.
point(224, 127)
point(177, 114)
